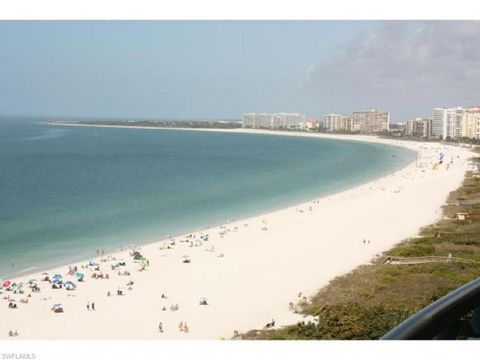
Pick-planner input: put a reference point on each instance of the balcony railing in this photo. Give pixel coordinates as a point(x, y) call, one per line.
point(454, 316)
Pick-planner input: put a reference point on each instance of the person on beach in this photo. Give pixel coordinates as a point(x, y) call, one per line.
point(180, 326)
point(185, 328)
point(93, 306)
point(160, 327)
point(88, 305)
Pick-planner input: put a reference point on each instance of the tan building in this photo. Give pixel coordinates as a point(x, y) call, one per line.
point(470, 127)
point(420, 127)
point(371, 121)
point(312, 123)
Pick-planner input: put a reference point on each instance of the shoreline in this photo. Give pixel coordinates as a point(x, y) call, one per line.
point(203, 228)
point(256, 245)
point(45, 267)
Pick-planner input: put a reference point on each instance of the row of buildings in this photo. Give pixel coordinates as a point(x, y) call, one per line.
point(366, 121)
point(273, 120)
point(447, 123)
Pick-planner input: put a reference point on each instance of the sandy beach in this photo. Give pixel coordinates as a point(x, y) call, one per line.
point(249, 271)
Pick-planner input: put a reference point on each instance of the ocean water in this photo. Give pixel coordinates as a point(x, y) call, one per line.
point(67, 191)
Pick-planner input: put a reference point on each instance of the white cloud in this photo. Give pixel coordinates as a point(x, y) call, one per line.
point(405, 67)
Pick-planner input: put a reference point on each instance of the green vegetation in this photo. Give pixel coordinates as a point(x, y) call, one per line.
point(371, 300)
point(196, 124)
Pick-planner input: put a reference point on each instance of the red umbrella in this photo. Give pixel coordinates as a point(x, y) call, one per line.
point(6, 284)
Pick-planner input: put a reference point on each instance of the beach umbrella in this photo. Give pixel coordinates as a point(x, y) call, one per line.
point(57, 281)
point(70, 285)
point(6, 284)
point(32, 281)
point(44, 273)
point(57, 276)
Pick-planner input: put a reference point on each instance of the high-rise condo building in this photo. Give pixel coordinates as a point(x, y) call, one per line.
point(273, 121)
point(420, 127)
point(371, 121)
point(447, 122)
point(257, 120)
point(470, 127)
point(338, 122)
point(287, 120)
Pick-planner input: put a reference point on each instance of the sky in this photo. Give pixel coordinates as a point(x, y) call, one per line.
point(221, 69)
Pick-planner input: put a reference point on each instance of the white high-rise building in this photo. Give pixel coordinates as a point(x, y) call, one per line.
point(273, 121)
point(287, 120)
point(337, 122)
point(257, 120)
point(447, 122)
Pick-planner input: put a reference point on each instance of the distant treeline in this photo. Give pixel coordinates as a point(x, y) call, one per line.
point(166, 123)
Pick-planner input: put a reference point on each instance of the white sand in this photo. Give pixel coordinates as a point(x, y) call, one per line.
point(261, 272)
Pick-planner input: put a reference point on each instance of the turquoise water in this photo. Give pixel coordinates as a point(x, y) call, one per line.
point(67, 191)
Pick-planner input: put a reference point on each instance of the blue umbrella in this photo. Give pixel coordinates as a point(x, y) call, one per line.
point(57, 276)
point(69, 283)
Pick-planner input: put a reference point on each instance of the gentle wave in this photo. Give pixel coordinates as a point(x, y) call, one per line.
point(48, 134)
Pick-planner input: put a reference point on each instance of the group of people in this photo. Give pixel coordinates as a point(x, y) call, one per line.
point(12, 333)
point(183, 327)
point(271, 324)
point(72, 270)
point(90, 306)
point(12, 305)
